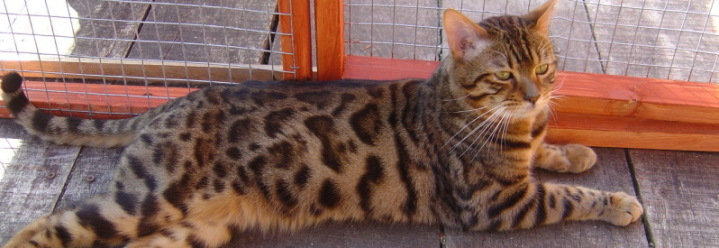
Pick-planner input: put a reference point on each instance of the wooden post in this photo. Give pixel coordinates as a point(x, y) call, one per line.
point(299, 44)
point(329, 22)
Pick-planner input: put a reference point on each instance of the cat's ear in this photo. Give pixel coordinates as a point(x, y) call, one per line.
point(463, 35)
point(542, 16)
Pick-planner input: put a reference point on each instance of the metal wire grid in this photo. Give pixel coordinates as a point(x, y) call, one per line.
point(645, 38)
point(190, 33)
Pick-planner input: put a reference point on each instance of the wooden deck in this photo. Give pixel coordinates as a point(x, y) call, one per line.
point(678, 189)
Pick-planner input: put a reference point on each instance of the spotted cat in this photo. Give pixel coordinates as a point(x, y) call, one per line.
point(455, 149)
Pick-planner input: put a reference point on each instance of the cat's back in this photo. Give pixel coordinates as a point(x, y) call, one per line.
point(304, 96)
point(304, 148)
point(256, 111)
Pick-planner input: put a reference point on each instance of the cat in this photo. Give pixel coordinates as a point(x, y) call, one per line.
point(456, 149)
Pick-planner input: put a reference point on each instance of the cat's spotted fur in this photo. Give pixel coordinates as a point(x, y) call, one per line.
point(456, 149)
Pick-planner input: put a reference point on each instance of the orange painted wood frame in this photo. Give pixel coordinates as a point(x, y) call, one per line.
point(298, 45)
point(96, 100)
point(602, 110)
point(172, 72)
point(596, 110)
point(329, 24)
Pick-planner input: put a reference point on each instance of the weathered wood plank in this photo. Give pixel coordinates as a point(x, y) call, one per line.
point(345, 235)
point(32, 175)
point(404, 29)
point(92, 174)
point(610, 174)
point(679, 192)
point(152, 71)
point(49, 30)
point(298, 46)
point(329, 19)
point(630, 132)
point(217, 31)
point(107, 28)
point(657, 38)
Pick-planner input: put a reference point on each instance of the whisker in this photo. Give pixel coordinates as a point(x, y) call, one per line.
point(455, 99)
point(551, 110)
point(559, 84)
point(489, 123)
point(487, 139)
point(467, 125)
point(500, 133)
point(471, 110)
point(483, 126)
point(495, 131)
point(460, 130)
point(505, 129)
point(499, 129)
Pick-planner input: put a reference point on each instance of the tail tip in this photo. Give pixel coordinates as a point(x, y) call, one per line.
point(11, 82)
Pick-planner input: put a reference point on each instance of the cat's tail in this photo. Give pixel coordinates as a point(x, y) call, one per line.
point(66, 130)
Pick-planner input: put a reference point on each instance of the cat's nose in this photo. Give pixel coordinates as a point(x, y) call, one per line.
point(532, 98)
point(531, 93)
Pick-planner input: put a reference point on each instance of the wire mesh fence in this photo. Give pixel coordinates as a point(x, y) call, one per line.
point(645, 38)
point(187, 44)
point(167, 43)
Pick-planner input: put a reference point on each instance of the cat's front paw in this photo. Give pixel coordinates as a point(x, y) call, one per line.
point(581, 158)
point(34, 235)
point(623, 209)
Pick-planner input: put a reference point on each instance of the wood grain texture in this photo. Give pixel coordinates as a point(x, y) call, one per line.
point(329, 19)
point(107, 28)
point(92, 174)
point(657, 38)
point(644, 98)
point(69, 28)
point(404, 29)
point(679, 192)
point(103, 101)
point(610, 174)
point(617, 131)
point(151, 71)
point(346, 234)
point(32, 176)
point(378, 68)
point(298, 46)
point(214, 31)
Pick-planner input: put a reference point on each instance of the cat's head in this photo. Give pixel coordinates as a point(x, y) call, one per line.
point(505, 61)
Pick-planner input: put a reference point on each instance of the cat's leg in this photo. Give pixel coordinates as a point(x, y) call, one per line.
point(133, 207)
point(210, 222)
point(543, 203)
point(110, 219)
point(189, 233)
point(98, 221)
point(572, 158)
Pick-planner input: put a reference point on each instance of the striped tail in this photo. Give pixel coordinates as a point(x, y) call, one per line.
point(66, 130)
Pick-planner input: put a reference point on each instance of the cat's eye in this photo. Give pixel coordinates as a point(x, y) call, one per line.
point(541, 69)
point(503, 75)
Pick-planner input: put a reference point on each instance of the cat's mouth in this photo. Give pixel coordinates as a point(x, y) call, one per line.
point(526, 109)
